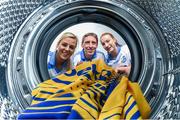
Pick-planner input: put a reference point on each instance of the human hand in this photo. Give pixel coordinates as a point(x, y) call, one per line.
point(123, 69)
point(79, 63)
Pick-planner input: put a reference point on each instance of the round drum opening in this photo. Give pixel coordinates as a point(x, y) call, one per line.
point(94, 15)
point(80, 30)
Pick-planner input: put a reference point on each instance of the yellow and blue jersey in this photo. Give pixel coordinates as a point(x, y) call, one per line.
point(87, 92)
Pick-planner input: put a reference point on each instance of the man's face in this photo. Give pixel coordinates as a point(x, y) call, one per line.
point(89, 45)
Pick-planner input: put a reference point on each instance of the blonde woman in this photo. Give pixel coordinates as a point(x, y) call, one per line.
point(59, 61)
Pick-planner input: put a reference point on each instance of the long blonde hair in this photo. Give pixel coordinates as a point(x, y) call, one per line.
point(67, 35)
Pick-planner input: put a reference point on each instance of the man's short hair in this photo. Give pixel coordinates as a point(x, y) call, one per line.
point(90, 34)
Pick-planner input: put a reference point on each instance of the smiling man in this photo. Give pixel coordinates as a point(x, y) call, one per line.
point(89, 52)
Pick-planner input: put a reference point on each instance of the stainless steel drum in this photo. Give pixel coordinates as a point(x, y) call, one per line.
point(151, 29)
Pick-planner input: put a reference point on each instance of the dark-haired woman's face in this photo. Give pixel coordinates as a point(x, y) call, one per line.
point(108, 43)
point(66, 48)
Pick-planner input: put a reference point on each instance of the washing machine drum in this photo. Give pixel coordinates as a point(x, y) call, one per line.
point(149, 28)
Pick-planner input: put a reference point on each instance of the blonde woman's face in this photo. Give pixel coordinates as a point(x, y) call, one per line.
point(66, 48)
point(108, 43)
